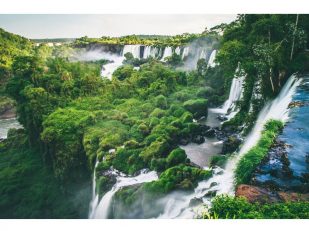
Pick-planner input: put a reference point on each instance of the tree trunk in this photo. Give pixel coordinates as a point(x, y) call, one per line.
point(293, 43)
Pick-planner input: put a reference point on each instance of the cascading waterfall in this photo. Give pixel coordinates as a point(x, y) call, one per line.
point(185, 52)
point(236, 92)
point(109, 68)
point(177, 50)
point(211, 61)
point(203, 54)
point(223, 179)
point(95, 197)
point(101, 209)
point(135, 50)
point(167, 53)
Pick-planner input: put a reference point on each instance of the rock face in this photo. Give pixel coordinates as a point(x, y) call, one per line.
point(256, 194)
point(262, 195)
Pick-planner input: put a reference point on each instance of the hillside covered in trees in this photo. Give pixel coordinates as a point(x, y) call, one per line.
point(82, 130)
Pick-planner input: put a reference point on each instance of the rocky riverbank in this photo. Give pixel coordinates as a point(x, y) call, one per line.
point(262, 195)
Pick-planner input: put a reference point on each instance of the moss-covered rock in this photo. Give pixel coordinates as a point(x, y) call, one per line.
point(198, 107)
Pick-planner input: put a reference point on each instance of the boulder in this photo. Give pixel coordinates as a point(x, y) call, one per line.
point(198, 107)
point(213, 184)
point(195, 202)
point(211, 193)
point(210, 133)
point(231, 144)
point(262, 195)
point(198, 139)
point(256, 194)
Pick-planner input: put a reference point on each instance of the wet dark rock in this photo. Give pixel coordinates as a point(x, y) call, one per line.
point(222, 117)
point(198, 139)
point(231, 144)
point(195, 202)
point(184, 141)
point(211, 193)
point(210, 133)
point(296, 104)
point(213, 184)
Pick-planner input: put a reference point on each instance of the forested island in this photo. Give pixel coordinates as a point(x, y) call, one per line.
point(208, 126)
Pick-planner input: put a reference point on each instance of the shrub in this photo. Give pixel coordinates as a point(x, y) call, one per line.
point(198, 107)
point(178, 177)
point(226, 207)
point(177, 156)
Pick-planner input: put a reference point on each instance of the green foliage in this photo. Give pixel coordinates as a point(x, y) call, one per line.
point(177, 156)
point(123, 72)
point(225, 207)
point(63, 132)
point(255, 155)
point(28, 188)
point(197, 107)
point(219, 160)
point(178, 177)
point(128, 160)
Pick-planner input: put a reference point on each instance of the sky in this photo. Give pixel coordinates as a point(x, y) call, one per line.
point(98, 25)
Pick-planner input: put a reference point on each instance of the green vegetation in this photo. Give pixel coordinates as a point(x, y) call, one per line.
point(268, 48)
point(178, 177)
point(225, 207)
point(28, 188)
point(72, 117)
point(160, 41)
point(250, 160)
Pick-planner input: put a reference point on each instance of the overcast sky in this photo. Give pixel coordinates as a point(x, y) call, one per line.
point(74, 25)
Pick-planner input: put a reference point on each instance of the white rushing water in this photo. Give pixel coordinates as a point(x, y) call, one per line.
point(185, 52)
point(203, 54)
point(101, 209)
point(222, 181)
point(236, 92)
point(167, 53)
point(150, 51)
point(109, 68)
point(211, 61)
point(135, 50)
point(6, 124)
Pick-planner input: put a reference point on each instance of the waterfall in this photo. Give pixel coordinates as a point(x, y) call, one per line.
point(203, 54)
point(147, 52)
point(150, 51)
point(167, 53)
point(101, 209)
point(95, 197)
point(211, 61)
point(185, 52)
point(236, 92)
point(222, 180)
point(135, 50)
point(109, 68)
point(177, 50)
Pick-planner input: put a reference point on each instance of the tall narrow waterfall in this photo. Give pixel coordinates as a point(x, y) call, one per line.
point(177, 206)
point(235, 94)
point(101, 209)
point(167, 52)
point(211, 61)
point(185, 52)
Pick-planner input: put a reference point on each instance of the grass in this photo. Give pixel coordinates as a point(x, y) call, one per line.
point(250, 161)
